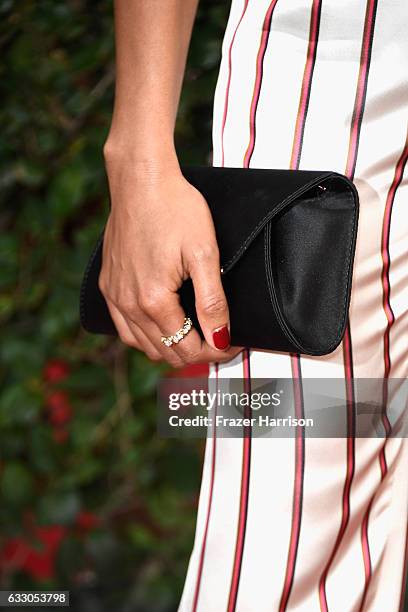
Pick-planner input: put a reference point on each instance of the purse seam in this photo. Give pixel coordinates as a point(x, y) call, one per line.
point(270, 216)
point(346, 280)
point(349, 271)
point(84, 285)
point(271, 290)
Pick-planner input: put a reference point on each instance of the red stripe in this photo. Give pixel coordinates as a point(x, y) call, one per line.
point(295, 359)
point(244, 495)
point(402, 606)
point(366, 553)
point(210, 498)
point(348, 362)
point(203, 547)
point(266, 28)
point(298, 488)
point(344, 519)
point(361, 92)
point(399, 171)
point(349, 378)
point(358, 111)
point(224, 118)
point(246, 456)
point(385, 241)
point(306, 84)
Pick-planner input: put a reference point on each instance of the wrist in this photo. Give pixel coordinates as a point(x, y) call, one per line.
point(150, 162)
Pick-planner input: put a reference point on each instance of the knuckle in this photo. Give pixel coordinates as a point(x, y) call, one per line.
point(127, 305)
point(128, 340)
point(192, 356)
point(102, 285)
point(204, 253)
point(175, 362)
point(151, 302)
point(213, 306)
point(107, 151)
point(155, 357)
point(178, 365)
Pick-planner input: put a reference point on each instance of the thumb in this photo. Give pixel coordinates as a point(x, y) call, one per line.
point(210, 300)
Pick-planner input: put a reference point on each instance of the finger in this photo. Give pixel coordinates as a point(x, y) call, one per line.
point(132, 335)
point(162, 315)
point(211, 303)
point(191, 349)
point(208, 354)
point(124, 333)
point(152, 334)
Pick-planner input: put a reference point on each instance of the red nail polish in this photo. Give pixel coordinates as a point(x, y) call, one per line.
point(221, 338)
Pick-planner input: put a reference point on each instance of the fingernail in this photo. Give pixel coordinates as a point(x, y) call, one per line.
point(221, 338)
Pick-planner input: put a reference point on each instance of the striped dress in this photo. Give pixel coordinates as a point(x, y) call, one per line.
point(305, 524)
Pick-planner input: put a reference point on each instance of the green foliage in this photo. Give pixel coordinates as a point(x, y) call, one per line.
point(77, 413)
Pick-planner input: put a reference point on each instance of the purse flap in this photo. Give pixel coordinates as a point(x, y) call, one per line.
point(242, 201)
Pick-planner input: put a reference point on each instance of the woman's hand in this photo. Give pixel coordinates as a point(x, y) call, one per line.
point(160, 230)
point(159, 233)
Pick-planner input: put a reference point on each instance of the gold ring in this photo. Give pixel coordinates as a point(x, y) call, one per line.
point(179, 335)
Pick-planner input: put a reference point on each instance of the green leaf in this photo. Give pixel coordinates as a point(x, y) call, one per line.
point(59, 507)
point(83, 472)
point(30, 173)
point(16, 483)
point(18, 406)
point(143, 375)
point(140, 537)
point(66, 190)
point(41, 453)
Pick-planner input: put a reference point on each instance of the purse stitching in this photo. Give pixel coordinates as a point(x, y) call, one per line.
point(347, 276)
point(271, 290)
point(271, 214)
point(82, 309)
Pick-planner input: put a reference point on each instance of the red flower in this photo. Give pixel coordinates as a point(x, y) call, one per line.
point(60, 410)
point(87, 520)
point(35, 559)
point(56, 370)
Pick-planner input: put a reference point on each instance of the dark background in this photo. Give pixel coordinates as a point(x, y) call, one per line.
point(91, 499)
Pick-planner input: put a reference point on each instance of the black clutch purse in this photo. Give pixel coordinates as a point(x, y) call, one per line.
point(287, 241)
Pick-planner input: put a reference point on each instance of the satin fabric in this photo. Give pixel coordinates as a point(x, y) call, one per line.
point(287, 260)
point(319, 526)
